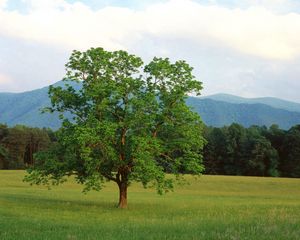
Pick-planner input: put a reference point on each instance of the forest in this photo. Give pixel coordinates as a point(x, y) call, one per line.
point(230, 150)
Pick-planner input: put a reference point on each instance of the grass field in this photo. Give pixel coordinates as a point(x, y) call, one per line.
point(212, 207)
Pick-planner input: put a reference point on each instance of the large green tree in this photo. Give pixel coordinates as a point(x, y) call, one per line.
point(130, 123)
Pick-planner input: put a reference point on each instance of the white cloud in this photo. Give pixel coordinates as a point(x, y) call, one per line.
point(5, 79)
point(244, 51)
point(254, 31)
point(3, 3)
point(269, 3)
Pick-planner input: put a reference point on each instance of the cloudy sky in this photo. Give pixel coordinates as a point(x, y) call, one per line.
point(249, 48)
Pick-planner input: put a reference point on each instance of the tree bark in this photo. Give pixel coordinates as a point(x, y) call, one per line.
point(122, 195)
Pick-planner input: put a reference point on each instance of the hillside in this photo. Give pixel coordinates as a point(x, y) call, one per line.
point(25, 108)
point(270, 101)
point(218, 113)
point(216, 110)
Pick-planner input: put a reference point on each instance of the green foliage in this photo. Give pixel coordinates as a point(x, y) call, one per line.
point(262, 158)
point(3, 157)
point(236, 150)
point(19, 144)
point(3, 150)
point(130, 122)
point(291, 153)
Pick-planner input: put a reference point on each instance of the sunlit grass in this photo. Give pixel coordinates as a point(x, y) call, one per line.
point(211, 207)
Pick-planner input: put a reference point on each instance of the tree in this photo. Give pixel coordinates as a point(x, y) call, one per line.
point(3, 157)
point(260, 157)
point(130, 123)
point(215, 151)
point(20, 143)
point(236, 138)
point(3, 150)
point(290, 162)
point(15, 142)
point(37, 140)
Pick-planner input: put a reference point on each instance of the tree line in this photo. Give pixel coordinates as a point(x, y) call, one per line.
point(19, 144)
point(230, 150)
point(253, 151)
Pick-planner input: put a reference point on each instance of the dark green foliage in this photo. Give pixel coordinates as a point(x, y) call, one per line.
point(264, 152)
point(130, 123)
point(236, 150)
point(3, 150)
point(290, 166)
point(261, 157)
point(235, 143)
point(19, 144)
point(3, 157)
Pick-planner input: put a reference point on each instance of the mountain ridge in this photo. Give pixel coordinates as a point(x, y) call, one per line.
point(215, 110)
point(270, 101)
point(219, 113)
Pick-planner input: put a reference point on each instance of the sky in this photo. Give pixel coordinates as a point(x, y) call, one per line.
point(249, 48)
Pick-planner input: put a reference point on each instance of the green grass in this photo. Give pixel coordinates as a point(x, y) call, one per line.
point(211, 207)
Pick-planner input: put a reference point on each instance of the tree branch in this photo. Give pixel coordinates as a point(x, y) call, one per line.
point(109, 177)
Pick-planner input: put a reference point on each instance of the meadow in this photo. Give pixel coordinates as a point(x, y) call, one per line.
point(210, 207)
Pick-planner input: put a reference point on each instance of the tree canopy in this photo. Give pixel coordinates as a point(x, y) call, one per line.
point(129, 123)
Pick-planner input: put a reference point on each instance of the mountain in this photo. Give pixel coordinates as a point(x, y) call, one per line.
point(218, 113)
point(216, 110)
point(270, 101)
point(25, 108)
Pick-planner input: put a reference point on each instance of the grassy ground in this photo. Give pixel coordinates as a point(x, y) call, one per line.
point(212, 207)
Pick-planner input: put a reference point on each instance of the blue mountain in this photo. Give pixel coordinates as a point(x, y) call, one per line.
point(216, 110)
point(270, 101)
point(219, 113)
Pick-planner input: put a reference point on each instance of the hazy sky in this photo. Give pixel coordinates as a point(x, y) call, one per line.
point(249, 48)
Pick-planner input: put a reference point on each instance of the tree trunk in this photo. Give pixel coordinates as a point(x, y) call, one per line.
point(122, 195)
